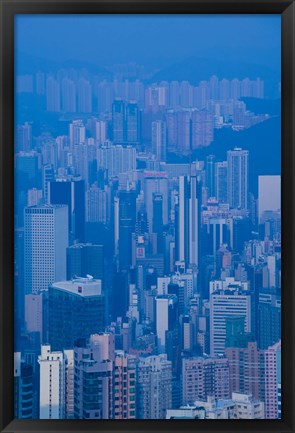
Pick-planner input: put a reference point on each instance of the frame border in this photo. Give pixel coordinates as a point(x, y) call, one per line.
point(8, 8)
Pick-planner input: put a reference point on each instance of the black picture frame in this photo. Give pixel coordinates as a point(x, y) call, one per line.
point(8, 8)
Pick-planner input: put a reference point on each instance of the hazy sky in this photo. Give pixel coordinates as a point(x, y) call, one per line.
point(150, 39)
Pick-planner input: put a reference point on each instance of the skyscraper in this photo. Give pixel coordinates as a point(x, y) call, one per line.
point(159, 142)
point(188, 221)
point(127, 216)
point(46, 240)
point(83, 259)
point(194, 222)
point(70, 192)
point(166, 318)
point(182, 221)
point(155, 182)
point(238, 178)
point(225, 303)
point(118, 116)
point(76, 310)
point(132, 123)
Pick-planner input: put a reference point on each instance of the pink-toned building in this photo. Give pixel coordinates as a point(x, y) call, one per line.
point(124, 386)
point(202, 377)
point(244, 371)
point(271, 375)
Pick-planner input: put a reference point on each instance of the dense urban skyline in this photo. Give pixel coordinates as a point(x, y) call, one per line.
point(147, 243)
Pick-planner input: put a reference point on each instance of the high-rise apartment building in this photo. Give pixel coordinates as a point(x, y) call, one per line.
point(203, 377)
point(52, 384)
point(93, 381)
point(154, 384)
point(238, 178)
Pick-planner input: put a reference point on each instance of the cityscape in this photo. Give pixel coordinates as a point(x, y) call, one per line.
point(147, 233)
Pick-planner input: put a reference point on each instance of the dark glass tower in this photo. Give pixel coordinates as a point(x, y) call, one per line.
point(71, 192)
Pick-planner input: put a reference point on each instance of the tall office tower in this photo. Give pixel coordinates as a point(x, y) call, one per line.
point(158, 220)
point(203, 377)
point(188, 221)
point(93, 377)
point(68, 96)
point(46, 240)
point(24, 137)
point(52, 94)
point(132, 123)
point(202, 129)
point(47, 176)
point(27, 172)
point(69, 383)
point(183, 132)
point(125, 386)
point(118, 118)
point(52, 384)
point(98, 204)
point(166, 318)
point(221, 181)
point(85, 259)
point(269, 318)
point(154, 384)
point(77, 133)
point(272, 379)
point(70, 192)
point(159, 142)
point(267, 201)
point(171, 123)
point(187, 334)
point(76, 310)
point(156, 182)
point(182, 221)
point(84, 96)
point(127, 217)
point(226, 303)
point(194, 222)
point(238, 178)
point(23, 388)
point(210, 175)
